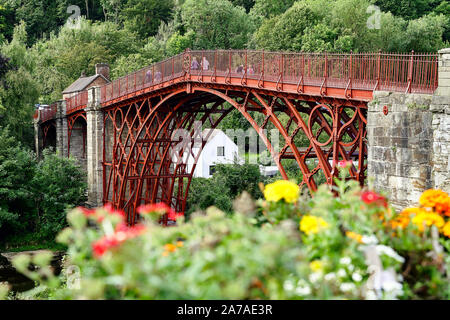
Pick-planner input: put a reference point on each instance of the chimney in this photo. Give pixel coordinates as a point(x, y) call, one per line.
point(103, 69)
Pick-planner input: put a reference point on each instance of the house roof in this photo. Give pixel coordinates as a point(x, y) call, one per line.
point(214, 133)
point(82, 83)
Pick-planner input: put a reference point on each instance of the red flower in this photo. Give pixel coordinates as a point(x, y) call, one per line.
point(121, 234)
point(104, 244)
point(371, 197)
point(160, 208)
point(110, 209)
point(175, 215)
point(87, 212)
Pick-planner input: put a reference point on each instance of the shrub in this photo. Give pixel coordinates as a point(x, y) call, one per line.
point(58, 184)
point(34, 195)
point(228, 181)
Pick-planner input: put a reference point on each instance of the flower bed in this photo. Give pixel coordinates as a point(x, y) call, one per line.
point(287, 246)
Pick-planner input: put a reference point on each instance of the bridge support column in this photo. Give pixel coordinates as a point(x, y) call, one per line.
point(61, 129)
point(38, 137)
point(95, 117)
point(409, 141)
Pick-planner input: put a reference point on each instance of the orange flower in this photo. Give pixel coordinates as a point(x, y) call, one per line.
point(180, 244)
point(437, 200)
point(354, 236)
point(170, 247)
point(402, 220)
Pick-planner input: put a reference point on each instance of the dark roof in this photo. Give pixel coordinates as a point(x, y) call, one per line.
point(82, 83)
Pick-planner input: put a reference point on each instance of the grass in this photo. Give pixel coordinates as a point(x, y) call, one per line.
point(29, 242)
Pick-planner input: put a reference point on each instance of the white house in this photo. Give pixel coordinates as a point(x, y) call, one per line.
point(219, 149)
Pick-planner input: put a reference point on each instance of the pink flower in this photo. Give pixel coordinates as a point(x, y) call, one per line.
point(345, 164)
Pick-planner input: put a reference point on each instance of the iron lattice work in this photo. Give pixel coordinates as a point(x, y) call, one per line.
point(139, 166)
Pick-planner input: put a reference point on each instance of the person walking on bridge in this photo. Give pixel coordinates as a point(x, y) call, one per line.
point(194, 64)
point(205, 64)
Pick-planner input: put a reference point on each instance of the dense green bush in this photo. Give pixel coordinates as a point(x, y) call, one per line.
point(58, 184)
point(34, 195)
point(227, 182)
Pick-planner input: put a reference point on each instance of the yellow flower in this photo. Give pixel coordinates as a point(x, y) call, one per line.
point(425, 218)
point(354, 236)
point(437, 200)
point(316, 266)
point(312, 224)
point(446, 229)
point(282, 189)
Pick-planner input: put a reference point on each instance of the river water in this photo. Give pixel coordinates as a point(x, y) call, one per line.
point(17, 281)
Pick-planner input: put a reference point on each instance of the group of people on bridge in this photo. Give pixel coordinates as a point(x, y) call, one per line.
point(204, 65)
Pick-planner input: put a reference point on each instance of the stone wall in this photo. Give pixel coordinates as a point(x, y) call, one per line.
point(400, 145)
point(409, 147)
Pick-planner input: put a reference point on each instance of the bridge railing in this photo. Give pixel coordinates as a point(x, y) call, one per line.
point(415, 73)
point(48, 113)
point(157, 73)
point(76, 102)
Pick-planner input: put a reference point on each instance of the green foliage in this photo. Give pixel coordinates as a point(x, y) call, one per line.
point(425, 34)
point(228, 28)
point(17, 166)
point(227, 182)
point(145, 16)
point(58, 184)
point(34, 196)
point(285, 32)
point(61, 59)
point(20, 90)
point(408, 9)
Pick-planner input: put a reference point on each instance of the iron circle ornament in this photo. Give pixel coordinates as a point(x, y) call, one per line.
point(311, 123)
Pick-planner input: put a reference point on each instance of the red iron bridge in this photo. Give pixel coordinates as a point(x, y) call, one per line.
point(317, 102)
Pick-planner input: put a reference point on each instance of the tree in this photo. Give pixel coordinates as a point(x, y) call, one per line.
point(6, 22)
point(270, 8)
point(285, 32)
point(217, 24)
point(425, 34)
point(58, 184)
point(408, 9)
point(17, 166)
point(145, 16)
point(61, 59)
point(246, 4)
point(21, 90)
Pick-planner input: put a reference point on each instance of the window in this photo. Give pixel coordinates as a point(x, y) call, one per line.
point(220, 151)
point(212, 169)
